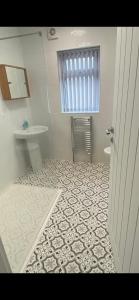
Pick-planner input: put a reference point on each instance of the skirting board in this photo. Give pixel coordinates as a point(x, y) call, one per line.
point(118, 266)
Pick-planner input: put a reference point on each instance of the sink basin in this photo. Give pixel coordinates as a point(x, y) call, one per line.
point(30, 135)
point(32, 131)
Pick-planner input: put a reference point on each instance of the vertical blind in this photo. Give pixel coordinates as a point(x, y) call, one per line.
point(79, 79)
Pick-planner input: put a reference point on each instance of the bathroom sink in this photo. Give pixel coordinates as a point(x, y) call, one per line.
point(31, 131)
point(30, 135)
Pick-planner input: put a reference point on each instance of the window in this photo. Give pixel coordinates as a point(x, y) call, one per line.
point(79, 80)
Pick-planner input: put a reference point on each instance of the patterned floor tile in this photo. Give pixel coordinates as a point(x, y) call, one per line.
point(75, 239)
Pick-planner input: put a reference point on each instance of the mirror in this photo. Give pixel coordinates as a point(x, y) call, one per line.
point(14, 82)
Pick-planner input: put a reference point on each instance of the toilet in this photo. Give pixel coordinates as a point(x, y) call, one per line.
point(107, 150)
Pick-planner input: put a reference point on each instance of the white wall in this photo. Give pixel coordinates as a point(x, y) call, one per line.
point(59, 124)
point(33, 53)
point(12, 113)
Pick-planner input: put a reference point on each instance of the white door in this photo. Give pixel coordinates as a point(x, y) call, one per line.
point(124, 172)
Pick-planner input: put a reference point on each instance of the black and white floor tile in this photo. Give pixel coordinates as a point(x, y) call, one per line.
point(75, 239)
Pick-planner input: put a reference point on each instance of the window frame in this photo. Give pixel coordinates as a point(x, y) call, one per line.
point(59, 80)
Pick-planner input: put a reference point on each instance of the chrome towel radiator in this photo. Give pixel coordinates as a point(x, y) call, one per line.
point(81, 134)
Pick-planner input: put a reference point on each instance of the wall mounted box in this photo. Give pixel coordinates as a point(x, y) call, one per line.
point(13, 82)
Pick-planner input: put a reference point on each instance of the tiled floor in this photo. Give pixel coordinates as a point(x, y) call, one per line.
point(75, 239)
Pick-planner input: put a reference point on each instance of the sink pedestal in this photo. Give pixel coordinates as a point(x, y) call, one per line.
point(31, 136)
point(34, 154)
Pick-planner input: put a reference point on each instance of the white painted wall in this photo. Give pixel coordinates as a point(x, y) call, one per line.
point(33, 53)
point(60, 123)
point(59, 134)
point(13, 162)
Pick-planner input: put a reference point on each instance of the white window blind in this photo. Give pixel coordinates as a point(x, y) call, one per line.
point(79, 79)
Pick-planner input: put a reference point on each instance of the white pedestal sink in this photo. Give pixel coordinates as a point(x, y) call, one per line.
point(30, 135)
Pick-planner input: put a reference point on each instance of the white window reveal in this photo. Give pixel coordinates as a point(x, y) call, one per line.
point(79, 71)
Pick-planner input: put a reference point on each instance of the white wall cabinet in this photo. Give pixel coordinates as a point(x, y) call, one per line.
point(13, 82)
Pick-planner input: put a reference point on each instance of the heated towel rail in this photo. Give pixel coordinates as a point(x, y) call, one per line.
point(81, 134)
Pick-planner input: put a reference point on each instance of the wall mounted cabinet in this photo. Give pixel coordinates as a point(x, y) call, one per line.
point(13, 82)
